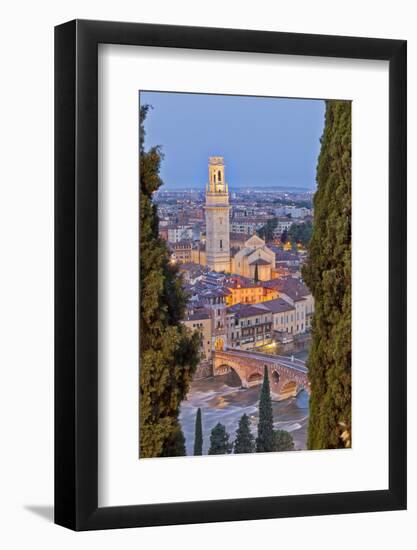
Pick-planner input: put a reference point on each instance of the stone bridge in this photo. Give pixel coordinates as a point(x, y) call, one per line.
point(287, 376)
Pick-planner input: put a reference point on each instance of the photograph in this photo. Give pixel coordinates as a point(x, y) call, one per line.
point(245, 274)
point(208, 237)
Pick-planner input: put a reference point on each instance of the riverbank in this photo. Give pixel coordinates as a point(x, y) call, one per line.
point(221, 399)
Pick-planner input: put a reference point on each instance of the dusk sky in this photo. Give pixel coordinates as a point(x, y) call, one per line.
point(264, 141)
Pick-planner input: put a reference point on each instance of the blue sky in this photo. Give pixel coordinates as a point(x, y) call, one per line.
point(264, 141)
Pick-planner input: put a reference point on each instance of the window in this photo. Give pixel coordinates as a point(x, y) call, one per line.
point(221, 243)
point(220, 176)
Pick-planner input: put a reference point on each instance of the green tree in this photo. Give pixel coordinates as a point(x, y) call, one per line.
point(174, 445)
point(266, 232)
point(301, 232)
point(169, 352)
point(198, 438)
point(219, 441)
point(284, 236)
point(328, 275)
point(265, 439)
point(244, 442)
point(283, 441)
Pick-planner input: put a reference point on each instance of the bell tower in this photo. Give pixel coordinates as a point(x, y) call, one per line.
point(217, 217)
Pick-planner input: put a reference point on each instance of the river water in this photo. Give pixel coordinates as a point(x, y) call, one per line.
point(221, 399)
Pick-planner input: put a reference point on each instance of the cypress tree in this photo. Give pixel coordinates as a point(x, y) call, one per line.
point(244, 442)
point(198, 438)
point(283, 441)
point(328, 275)
point(174, 444)
point(169, 353)
point(265, 440)
point(219, 441)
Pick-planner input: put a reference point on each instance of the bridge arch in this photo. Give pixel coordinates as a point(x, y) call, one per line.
point(287, 378)
point(275, 376)
point(255, 377)
point(224, 368)
point(290, 388)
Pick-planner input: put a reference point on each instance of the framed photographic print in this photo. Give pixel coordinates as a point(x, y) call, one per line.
point(230, 275)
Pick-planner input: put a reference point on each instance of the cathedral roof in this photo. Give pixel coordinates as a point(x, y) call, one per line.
point(254, 241)
point(260, 261)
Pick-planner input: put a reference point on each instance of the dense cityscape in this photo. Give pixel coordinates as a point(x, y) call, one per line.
point(240, 254)
point(245, 283)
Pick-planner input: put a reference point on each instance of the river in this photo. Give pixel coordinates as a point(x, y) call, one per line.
point(221, 399)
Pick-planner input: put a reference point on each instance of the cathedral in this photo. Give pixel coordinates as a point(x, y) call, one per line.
point(255, 259)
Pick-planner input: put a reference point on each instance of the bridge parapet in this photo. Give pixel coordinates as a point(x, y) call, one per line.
point(287, 377)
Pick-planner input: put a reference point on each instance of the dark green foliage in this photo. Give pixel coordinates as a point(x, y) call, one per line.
point(284, 236)
point(265, 440)
point(219, 441)
point(328, 275)
point(283, 441)
point(301, 233)
point(174, 445)
point(198, 438)
point(169, 353)
point(244, 442)
point(266, 232)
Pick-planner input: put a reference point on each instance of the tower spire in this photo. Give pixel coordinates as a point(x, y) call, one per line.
point(217, 217)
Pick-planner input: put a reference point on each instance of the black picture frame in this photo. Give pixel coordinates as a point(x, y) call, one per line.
point(76, 272)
